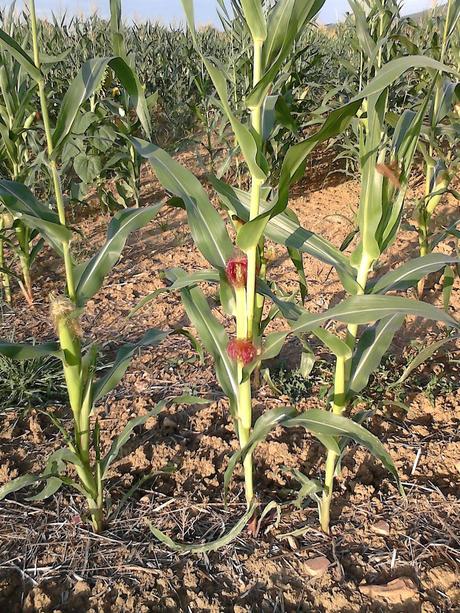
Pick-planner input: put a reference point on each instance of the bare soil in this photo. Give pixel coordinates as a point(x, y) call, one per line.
point(385, 553)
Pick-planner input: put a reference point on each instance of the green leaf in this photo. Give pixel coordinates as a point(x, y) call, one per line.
point(287, 22)
point(367, 44)
point(206, 547)
point(122, 224)
point(243, 135)
point(327, 424)
point(393, 70)
point(372, 346)
point(355, 310)
point(206, 225)
point(410, 273)
point(22, 204)
point(88, 167)
point(18, 484)
point(52, 485)
point(206, 276)
point(25, 351)
point(423, 356)
point(20, 56)
point(255, 18)
point(122, 361)
point(123, 438)
point(294, 162)
point(292, 168)
point(447, 286)
point(263, 426)
point(213, 337)
point(285, 230)
point(86, 83)
point(310, 488)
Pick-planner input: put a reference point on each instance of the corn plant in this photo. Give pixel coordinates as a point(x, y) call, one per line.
point(17, 118)
point(241, 270)
point(438, 145)
point(84, 388)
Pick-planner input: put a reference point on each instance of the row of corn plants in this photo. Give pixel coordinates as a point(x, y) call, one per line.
point(82, 451)
point(357, 331)
point(239, 266)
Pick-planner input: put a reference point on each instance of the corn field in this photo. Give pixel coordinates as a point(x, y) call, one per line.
point(229, 274)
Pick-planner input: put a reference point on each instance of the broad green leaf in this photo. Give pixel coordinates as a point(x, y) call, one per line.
point(393, 70)
point(94, 272)
point(22, 204)
point(285, 230)
point(309, 487)
point(214, 338)
point(410, 273)
point(371, 348)
point(367, 43)
point(122, 361)
point(327, 424)
point(20, 56)
point(356, 310)
point(447, 286)
point(254, 14)
point(201, 276)
point(25, 351)
point(335, 344)
point(287, 23)
point(371, 203)
point(244, 136)
point(18, 484)
point(86, 83)
point(295, 160)
point(424, 355)
point(262, 428)
point(293, 167)
point(206, 547)
point(52, 485)
point(207, 227)
point(123, 438)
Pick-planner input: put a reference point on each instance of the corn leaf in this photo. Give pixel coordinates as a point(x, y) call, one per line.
point(336, 426)
point(25, 351)
point(410, 273)
point(20, 56)
point(356, 310)
point(262, 428)
point(424, 355)
point(254, 15)
point(92, 276)
point(86, 83)
point(122, 361)
point(123, 438)
point(214, 338)
point(295, 160)
point(285, 230)
point(22, 204)
point(207, 227)
point(206, 547)
point(372, 346)
point(201, 276)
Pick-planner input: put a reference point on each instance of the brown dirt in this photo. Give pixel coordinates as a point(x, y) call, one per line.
point(50, 561)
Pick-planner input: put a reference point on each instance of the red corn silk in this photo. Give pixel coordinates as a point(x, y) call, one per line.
point(241, 350)
point(237, 271)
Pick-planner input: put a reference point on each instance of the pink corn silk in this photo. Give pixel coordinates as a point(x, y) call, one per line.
point(242, 351)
